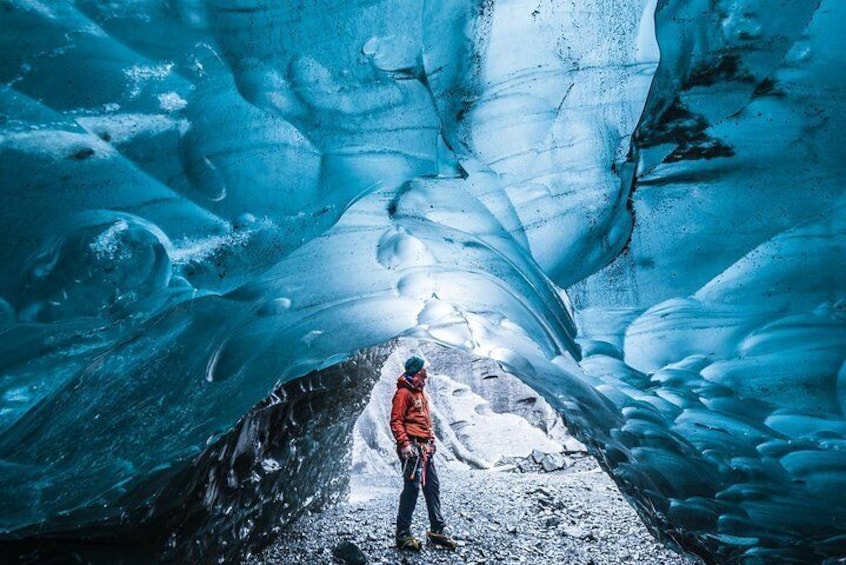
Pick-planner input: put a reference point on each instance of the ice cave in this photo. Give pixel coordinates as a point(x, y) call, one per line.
point(218, 212)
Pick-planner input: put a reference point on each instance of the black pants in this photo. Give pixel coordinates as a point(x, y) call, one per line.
point(431, 492)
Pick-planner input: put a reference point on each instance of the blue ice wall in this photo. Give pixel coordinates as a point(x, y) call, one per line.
point(207, 198)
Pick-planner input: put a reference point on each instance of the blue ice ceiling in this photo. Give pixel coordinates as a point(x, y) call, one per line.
point(205, 199)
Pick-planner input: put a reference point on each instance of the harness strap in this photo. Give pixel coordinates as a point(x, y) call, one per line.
point(425, 459)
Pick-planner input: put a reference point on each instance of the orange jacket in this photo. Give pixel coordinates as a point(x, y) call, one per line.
point(410, 413)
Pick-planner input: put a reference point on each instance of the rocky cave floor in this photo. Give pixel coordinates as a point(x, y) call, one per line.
point(574, 515)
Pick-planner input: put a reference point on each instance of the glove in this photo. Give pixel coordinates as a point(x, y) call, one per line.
point(430, 447)
point(407, 451)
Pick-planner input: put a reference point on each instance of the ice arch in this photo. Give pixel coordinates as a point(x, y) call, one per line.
point(206, 198)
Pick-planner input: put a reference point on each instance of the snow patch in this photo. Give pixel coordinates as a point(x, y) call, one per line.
point(171, 102)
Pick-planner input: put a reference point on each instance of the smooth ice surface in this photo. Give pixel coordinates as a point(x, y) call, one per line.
point(205, 198)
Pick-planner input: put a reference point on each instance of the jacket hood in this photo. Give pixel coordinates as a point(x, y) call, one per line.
point(411, 383)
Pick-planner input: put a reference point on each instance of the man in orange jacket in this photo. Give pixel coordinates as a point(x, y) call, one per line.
point(411, 425)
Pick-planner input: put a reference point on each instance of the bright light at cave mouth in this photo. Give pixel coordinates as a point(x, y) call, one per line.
point(216, 213)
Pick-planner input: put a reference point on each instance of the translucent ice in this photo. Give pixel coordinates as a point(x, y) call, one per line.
point(205, 199)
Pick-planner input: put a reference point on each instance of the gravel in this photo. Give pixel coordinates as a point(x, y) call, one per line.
point(574, 515)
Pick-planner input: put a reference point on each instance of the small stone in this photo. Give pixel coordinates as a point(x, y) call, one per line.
point(553, 462)
point(542, 492)
point(572, 445)
point(349, 553)
point(576, 532)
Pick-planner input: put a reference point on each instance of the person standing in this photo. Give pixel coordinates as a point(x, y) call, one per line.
point(411, 426)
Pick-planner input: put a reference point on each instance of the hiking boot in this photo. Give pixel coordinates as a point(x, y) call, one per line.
point(441, 540)
point(407, 542)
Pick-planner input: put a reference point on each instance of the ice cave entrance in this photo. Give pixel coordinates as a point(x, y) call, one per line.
point(484, 418)
point(323, 436)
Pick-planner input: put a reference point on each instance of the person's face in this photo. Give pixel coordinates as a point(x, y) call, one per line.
point(422, 374)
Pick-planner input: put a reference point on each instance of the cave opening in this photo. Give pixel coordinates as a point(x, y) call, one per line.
point(322, 439)
point(507, 462)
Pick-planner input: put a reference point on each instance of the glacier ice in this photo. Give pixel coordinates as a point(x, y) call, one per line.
point(484, 417)
point(636, 206)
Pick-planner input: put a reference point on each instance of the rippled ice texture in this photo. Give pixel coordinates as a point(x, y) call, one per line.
point(205, 198)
